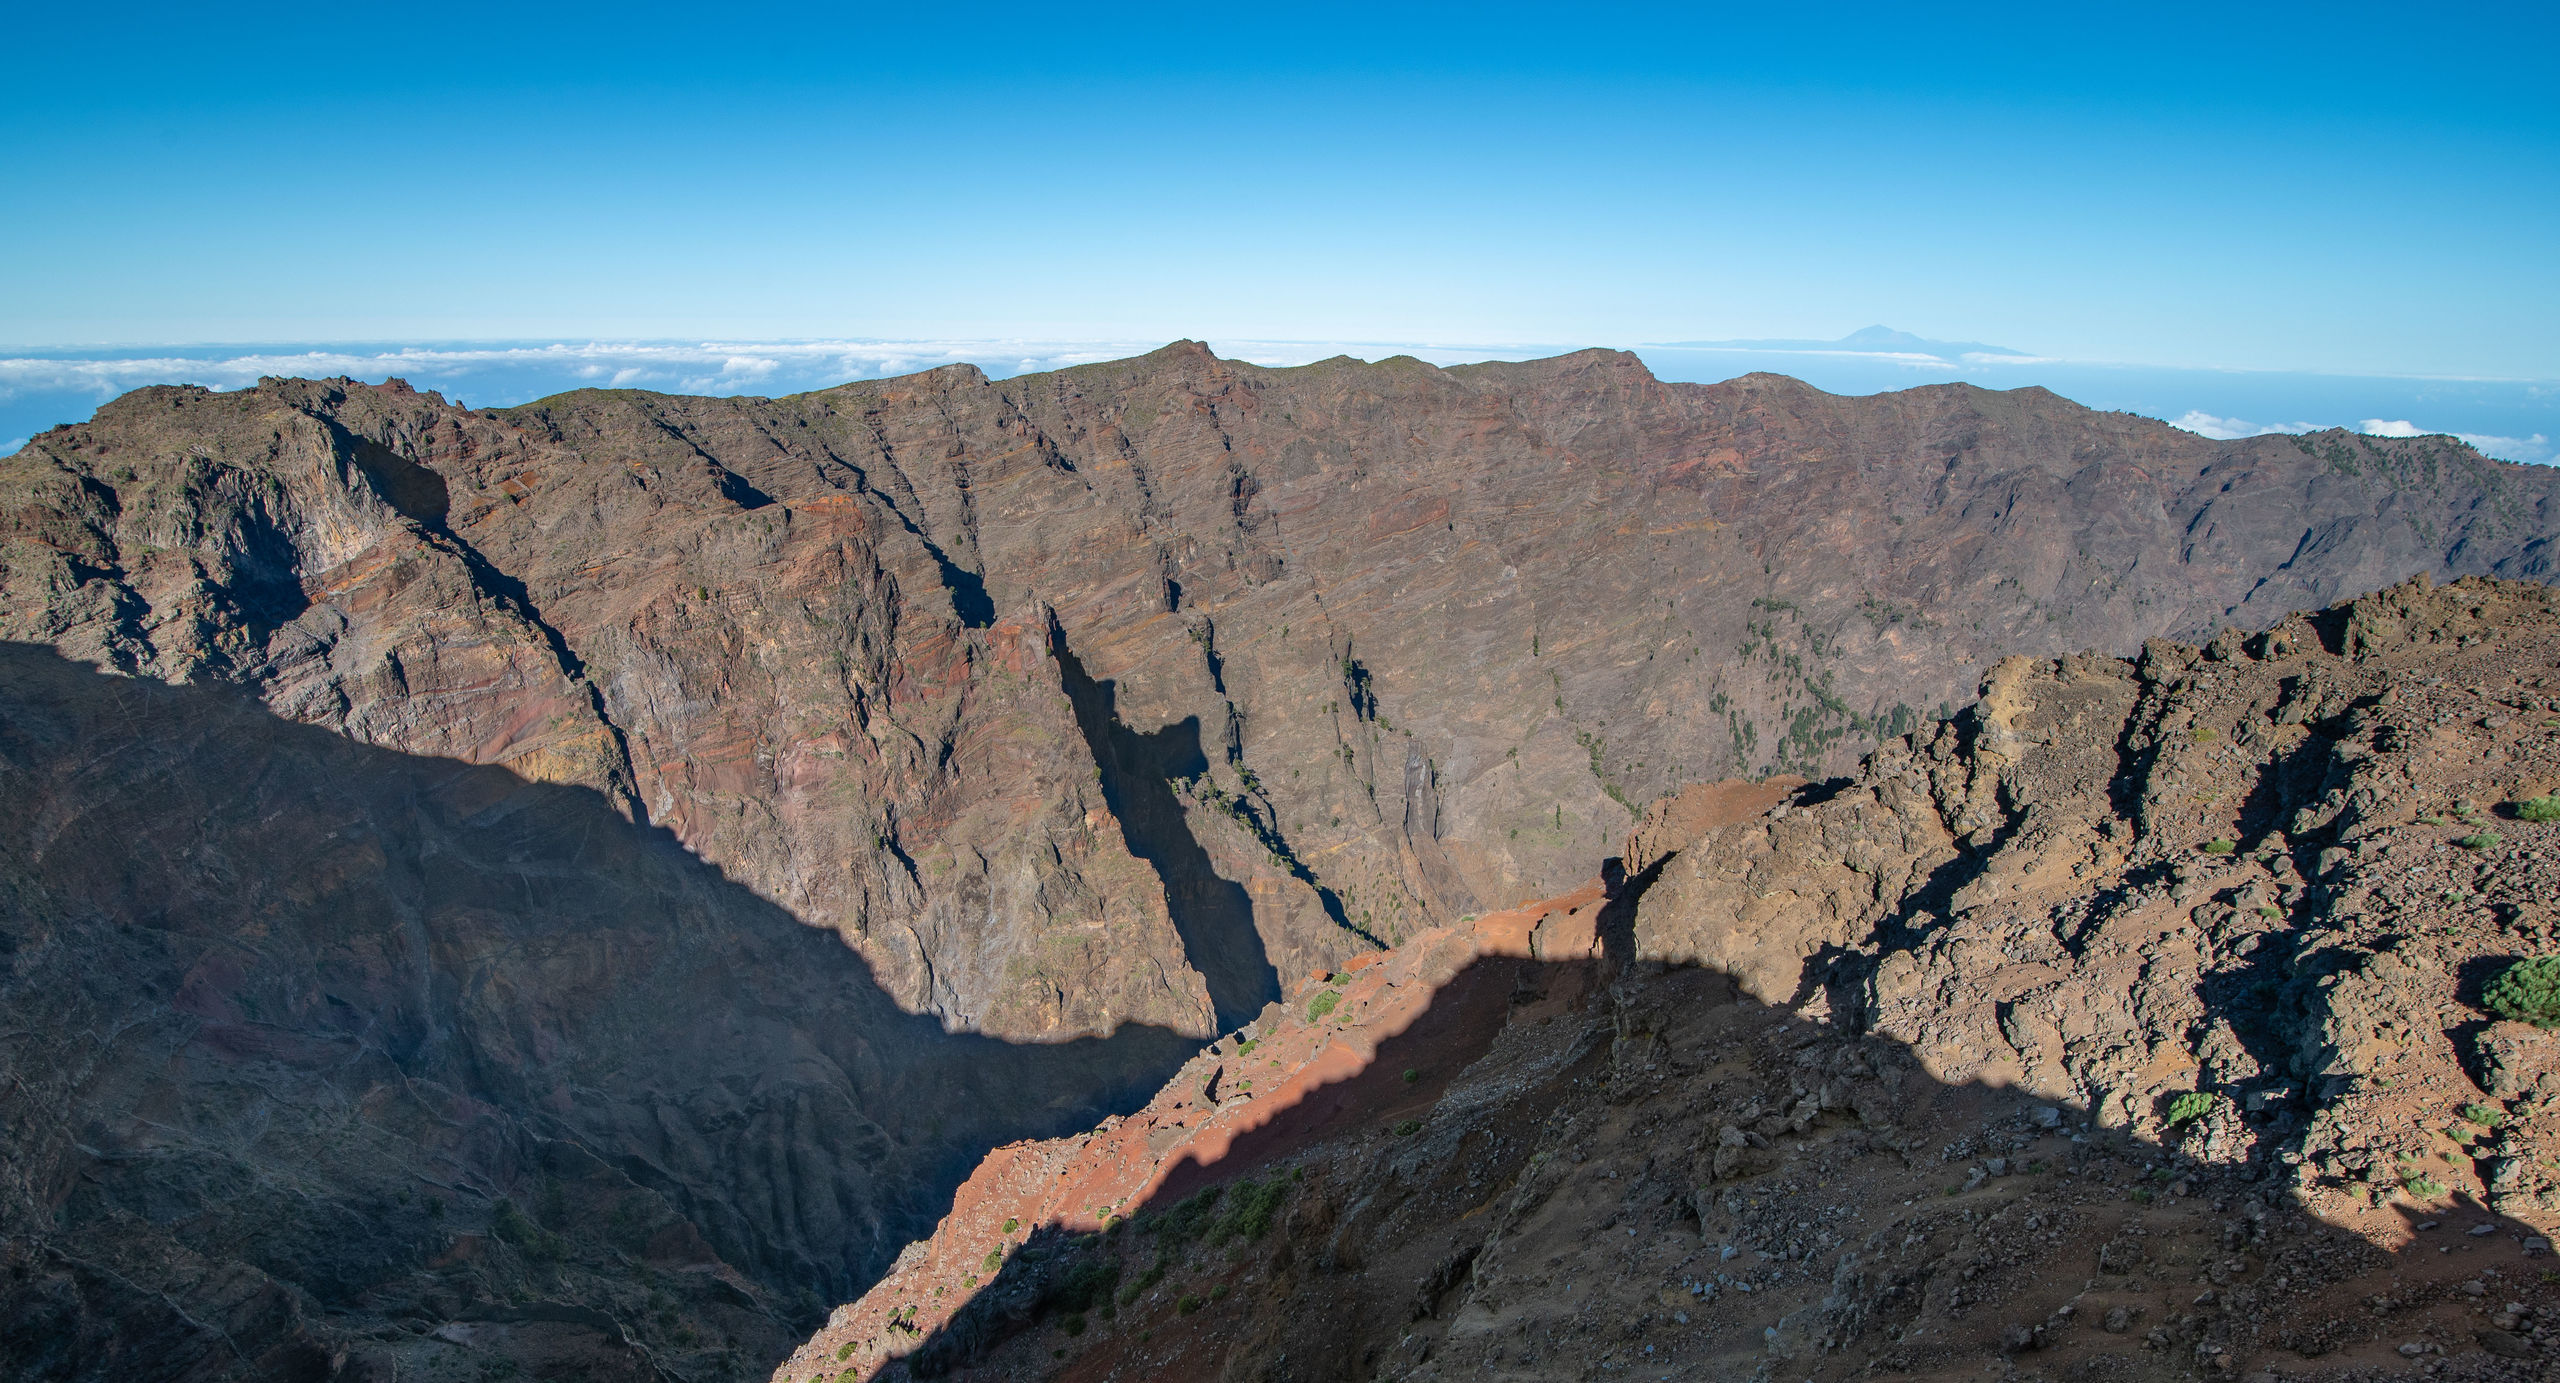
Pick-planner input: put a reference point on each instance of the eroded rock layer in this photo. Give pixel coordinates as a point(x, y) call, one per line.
point(2140, 1023)
point(579, 885)
point(1407, 642)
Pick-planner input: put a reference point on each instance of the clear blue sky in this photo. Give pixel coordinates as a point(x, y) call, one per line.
point(2333, 187)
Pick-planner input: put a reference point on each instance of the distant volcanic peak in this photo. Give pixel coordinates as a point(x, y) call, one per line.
point(1874, 340)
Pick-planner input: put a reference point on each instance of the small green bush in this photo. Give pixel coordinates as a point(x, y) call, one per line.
point(2543, 808)
point(994, 1260)
point(2484, 840)
point(2219, 846)
point(2486, 1116)
point(2425, 1188)
point(2193, 1105)
point(1187, 1218)
point(1411, 1075)
point(1322, 1004)
point(1406, 1128)
point(2527, 992)
point(1073, 1325)
point(530, 1239)
point(1188, 1304)
point(1250, 1206)
point(1084, 1286)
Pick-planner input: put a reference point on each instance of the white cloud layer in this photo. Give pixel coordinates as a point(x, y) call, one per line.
point(711, 367)
point(2536, 448)
point(503, 374)
point(39, 388)
point(2230, 429)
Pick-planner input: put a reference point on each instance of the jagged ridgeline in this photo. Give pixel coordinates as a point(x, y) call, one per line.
point(1089, 711)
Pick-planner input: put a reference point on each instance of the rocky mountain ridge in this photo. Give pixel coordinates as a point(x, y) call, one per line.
point(2133, 1025)
point(427, 790)
point(1412, 642)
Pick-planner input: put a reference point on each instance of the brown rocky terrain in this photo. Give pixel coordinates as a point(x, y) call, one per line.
point(2128, 1026)
point(1039, 729)
point(326, 1061)
point(1409, 642)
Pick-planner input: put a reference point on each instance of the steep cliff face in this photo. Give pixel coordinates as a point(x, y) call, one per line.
point(327, 1061)
point(1407, 643)
point(2140, 1023)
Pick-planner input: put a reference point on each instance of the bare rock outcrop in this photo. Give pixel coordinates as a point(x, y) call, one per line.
point(2127, 1025)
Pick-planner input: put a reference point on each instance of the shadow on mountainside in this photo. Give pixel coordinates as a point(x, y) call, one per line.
point(326, 1061)
point(1578, 1168)
point(1212, 914)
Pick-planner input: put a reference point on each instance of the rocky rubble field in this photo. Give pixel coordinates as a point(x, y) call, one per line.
point(2145, 1021)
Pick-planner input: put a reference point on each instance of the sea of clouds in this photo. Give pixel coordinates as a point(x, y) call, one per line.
point(2510, 419)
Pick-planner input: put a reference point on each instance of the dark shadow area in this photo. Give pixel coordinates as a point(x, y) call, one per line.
point(969, 598)
point(367, 1037)
point(735, 489)
point(1354, 1220)
point(1214, 915)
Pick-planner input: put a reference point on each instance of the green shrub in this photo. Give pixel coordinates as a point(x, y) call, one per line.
point(2543, 808)
point(2527, 992)
point(994, 1260)
point(2486, 1116)
point(2219, 846)
point(1250, 1206)
point(1189, 1217)
point(2191, 1106)
point(1322, 1004)
point(1411, 1075)
point(2484, 840)
point(532, 1240)
point(1081, 1288)
point(2425, 1188)
point(1011, 1224)
point(1073, 1324)
point(1188, 1304)
point(1153, 1275)
point(1406, 1128)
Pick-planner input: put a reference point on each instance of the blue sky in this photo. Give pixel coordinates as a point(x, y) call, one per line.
point(2358, 190)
